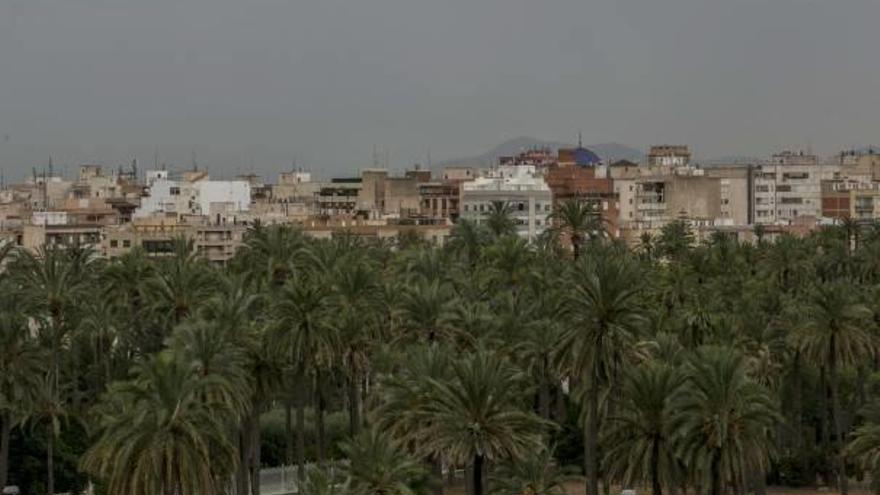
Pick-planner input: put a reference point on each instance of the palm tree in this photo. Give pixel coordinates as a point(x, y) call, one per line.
point(476, 417)
point(676, 239)
point(52, 280)
point(308, 342)
point(639, 437)
point(724, 419)
point(509, 260)
point(47, 410)
point(538, 474)
point(22, 367)
point(864, 448)
point(835, 334)
point(499, 219)
point(377, 466)
point(165, 431)
point(267, 254)
point(181, 283)
point(426, 308)
point(467, 238)
point(124, 287)
point(355, 295)
point(578, 219)
point(606, 315)
point(323, 482)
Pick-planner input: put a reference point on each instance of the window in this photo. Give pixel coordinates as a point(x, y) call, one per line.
point(547, 207)
point(795, 175)
point(791, 201)
point(114, 243)
point(762, 188)
point(783, 188)
point(126, 243)
point(174, 191)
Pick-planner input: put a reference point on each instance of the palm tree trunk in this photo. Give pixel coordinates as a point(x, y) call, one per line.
point(715, 473)
point(824, 423)
point(300, 434)
point(760, 482)
point(591, 446)
point(288, 431)
point(561, 411)
point(256, 452)
point(319, 424)
point(835, 412)
point(354, 403)
point(5, 434)
point(544, 397)
point(437, 471)
point(478, 474)
point(656, 488)
point(50, 461)
point(241, 474)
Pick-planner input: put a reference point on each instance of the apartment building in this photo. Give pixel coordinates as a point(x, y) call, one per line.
point(193, 196)
point(669, 156)
point(521, 187)
point(789, 187)
point(215, 242)
point(651, 197)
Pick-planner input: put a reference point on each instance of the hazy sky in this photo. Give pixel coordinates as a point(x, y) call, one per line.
point(253, 83)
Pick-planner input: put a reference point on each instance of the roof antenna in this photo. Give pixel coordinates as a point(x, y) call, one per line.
point(580, 139)
point(194, 163)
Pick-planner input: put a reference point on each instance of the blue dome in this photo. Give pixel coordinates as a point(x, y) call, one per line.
point(585, 157)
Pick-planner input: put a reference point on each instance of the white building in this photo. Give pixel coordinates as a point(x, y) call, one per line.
point(790, 186)
point(521, 187)
point(203, 197)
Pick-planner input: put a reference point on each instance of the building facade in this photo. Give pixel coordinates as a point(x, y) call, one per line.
point(519, 186)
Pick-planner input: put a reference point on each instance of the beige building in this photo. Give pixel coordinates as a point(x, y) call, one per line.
point(216, 243)
point(651, 197)
point(789, 187)
point(669, 156)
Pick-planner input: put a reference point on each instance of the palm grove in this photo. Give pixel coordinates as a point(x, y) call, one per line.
point(392, 367)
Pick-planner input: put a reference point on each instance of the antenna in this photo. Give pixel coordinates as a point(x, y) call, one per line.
point(580, 139)
point(429, 158)
point(195, 164)
point(50, 166)
point(375, 157)
point(156, 158)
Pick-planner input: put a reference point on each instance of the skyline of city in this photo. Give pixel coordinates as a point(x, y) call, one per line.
point(324, 82)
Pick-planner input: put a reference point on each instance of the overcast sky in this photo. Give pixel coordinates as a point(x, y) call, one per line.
point(251, 84)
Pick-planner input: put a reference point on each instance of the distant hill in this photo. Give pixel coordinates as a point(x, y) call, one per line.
point(609, 152)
